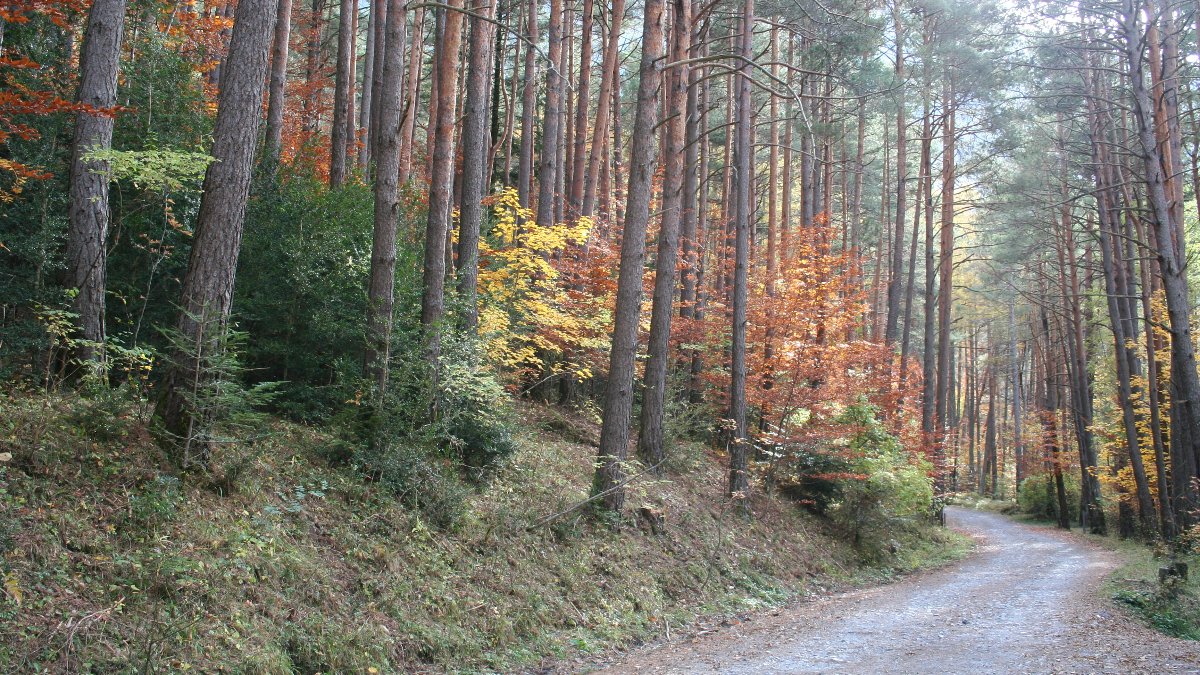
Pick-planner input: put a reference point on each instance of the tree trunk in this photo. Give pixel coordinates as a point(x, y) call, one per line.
point(603, 105)
point(650, 440)
point(476, 141)
point(441, 185)
point(896, 276)
point(528, 111)
point(212, 264)
point(275, 100)
point(412, 97)
point(1172, 256)
point(618, 398)
point(87, 233)
point(342, 93)
point(739, 478)
point(583, 99)
point(367, 107)
point(549, 167)
point(946, 258)
point(312, 112)
point(381, 286)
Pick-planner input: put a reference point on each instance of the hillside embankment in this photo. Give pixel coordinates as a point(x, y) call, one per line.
point(295, 562)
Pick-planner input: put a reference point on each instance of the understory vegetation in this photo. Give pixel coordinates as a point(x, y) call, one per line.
point(307, 562)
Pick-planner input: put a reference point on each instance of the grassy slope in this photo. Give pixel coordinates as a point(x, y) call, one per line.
point(120, 567)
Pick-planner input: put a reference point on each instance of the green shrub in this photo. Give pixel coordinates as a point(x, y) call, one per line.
point(473, 407)
point(893, 486)
point(417, 478)
point(1038, 497)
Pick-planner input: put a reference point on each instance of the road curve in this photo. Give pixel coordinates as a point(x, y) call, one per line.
point(1025, 602)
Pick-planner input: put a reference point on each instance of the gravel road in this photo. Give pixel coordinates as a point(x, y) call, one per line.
point(1025, 602)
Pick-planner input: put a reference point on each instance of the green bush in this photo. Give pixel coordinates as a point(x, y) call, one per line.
point(417, 478)
point(893, 486)
point(473, 407)
point(1038, 497)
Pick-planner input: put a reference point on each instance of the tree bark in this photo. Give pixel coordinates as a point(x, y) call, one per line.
point(381, 286)
point(412, 96)
point(650, 441)
point(476, 141)
point(1172, 258)
point(528, 110)
point(87, 233)
point(549, 166)
point(313, 66)
point(896, 276)
point(212, 263)
point(739, 478)
point(367, 106)
point(441, 184)
point(342, 92)
point(604, 106)
point(275, 99)
point(945, 258)
point(583, 100)
point(618, 398)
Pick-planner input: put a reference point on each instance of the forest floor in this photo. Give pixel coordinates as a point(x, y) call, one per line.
point(114, 563)
point(1026, 602)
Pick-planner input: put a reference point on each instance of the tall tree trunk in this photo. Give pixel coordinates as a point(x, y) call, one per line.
point(87, 233)
point(1172, 258)
point(476, 141)
point(367, 107)
point(896, 276)
point(408, 111)
point(650, 441)
point(945, 256)
point(603, 106)
point(555, 82)
point(207, 293)
point(313, 66)
point(739, 478)
point(583, 99)
point(691, 199)
point(275, 99)
point(618, 397)
point(343, 92)
point(1091, 513)
point(381, 286)
point(528, 110)
point(441, 185)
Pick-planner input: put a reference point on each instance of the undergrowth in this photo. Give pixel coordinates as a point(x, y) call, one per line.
point(115, 563)
point(1172, 607)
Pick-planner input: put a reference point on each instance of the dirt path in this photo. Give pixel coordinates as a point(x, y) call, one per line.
point(1025, 602)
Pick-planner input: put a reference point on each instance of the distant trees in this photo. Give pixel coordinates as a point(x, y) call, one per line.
point(761, 166)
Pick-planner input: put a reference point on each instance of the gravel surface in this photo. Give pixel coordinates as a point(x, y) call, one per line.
point(1025, 602)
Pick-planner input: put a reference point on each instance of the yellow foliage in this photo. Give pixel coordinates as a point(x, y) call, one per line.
point(523, 304)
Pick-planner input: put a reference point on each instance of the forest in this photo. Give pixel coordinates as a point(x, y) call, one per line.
point(281, 275)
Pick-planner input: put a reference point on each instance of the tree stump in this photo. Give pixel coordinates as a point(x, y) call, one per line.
point(1174, 571)
point(653, 517)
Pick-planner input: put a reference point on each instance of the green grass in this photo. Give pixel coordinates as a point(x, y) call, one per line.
point(1172, 608)
point(112, 563)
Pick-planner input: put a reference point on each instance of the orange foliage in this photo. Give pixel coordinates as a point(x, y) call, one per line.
point(17, 99)
point(803, 363)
